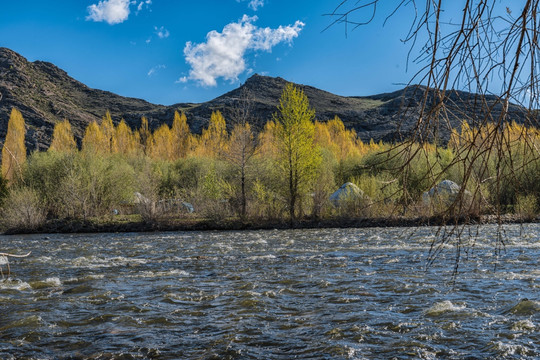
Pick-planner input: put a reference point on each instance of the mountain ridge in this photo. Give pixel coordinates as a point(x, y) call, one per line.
point(45, 94)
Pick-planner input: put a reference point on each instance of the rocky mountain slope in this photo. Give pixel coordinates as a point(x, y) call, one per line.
point(46, 94)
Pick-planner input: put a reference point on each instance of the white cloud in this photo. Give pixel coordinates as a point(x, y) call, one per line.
point(155, 69)
point(141, 5)
point(222, 55)
point(254, 4)
point(114, 11)
point(161, 32)
point(110, 11)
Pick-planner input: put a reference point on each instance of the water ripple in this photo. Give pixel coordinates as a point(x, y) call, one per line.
point(321, 294)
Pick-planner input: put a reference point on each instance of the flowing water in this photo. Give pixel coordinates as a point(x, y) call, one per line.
point(305, 294)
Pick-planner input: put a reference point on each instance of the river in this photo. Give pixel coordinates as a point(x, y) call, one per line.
point(282, 294)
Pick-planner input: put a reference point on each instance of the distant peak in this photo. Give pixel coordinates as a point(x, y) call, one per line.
point(259, 80)
point(256, 78)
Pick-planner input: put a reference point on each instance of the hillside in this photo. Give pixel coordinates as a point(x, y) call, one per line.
point(45, 94)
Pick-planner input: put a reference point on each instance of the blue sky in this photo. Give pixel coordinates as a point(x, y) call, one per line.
point(167, 51)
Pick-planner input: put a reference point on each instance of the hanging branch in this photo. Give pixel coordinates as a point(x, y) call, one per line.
point(490, 51)
point(5, 257)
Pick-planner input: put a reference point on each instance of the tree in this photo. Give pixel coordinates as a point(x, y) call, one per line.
point(489, 48)
point(160, 144)
point(107, 130)
point(181, 136)
point(94, 141)
point(242, 145)
point(144, 134)
point(125, 142)
point(240, 151)
point(213, 139)
point(62, 139)
point(297, 156)
point(14, 150)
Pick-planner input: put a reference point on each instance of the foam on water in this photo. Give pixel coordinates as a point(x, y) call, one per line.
point(162, 274)
point(14, 284)
point(523, 326)
point(321, 294)
point(261, 257)
point(506, 350)
point(94, 262)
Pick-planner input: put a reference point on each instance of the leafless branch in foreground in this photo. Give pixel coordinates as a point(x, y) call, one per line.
point(4, 259)
point(492, 52)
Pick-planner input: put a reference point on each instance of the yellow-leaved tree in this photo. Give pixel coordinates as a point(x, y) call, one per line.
point(14, 150)
point(144, 134)
point(125, 142)
point(213, 139)
point(107, 130)
point(62, 138)
point(297, 154)
point(181, 136)
point(159, 145)
point(94, 142)
point(267, 140)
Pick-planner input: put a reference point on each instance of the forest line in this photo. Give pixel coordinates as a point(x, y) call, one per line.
point(286, 171)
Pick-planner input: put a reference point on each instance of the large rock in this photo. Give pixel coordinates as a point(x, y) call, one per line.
point(348, 192)
point(445, 192)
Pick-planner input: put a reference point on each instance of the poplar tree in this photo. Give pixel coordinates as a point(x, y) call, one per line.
point(181, 136)
point(107, 130)
point(14, 150)
point(159, 145)
point(214, 138)
point(94, 141)
point(125, 141)
point(144, 134)
point(297, 157)
point(62, 139)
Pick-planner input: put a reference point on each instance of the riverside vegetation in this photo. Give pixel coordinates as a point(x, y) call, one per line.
point(234, 173)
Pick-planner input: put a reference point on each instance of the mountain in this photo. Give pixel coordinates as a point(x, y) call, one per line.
point(46, 94)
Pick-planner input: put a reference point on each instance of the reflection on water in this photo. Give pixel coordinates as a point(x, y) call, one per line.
point(330, 294)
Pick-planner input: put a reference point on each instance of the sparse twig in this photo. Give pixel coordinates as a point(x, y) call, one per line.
point(5, 257)
point(487, 51)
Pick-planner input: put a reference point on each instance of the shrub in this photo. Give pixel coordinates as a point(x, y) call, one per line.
point(45, 172)
point(95, 185)
point(526, 207)
point(23, 210)
point(3, 189)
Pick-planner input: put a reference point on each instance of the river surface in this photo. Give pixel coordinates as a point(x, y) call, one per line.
point(304, 294)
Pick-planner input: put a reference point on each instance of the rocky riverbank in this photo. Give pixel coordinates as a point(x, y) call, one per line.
point(120, 224)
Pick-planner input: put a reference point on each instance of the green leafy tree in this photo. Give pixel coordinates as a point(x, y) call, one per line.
point(297, 156)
